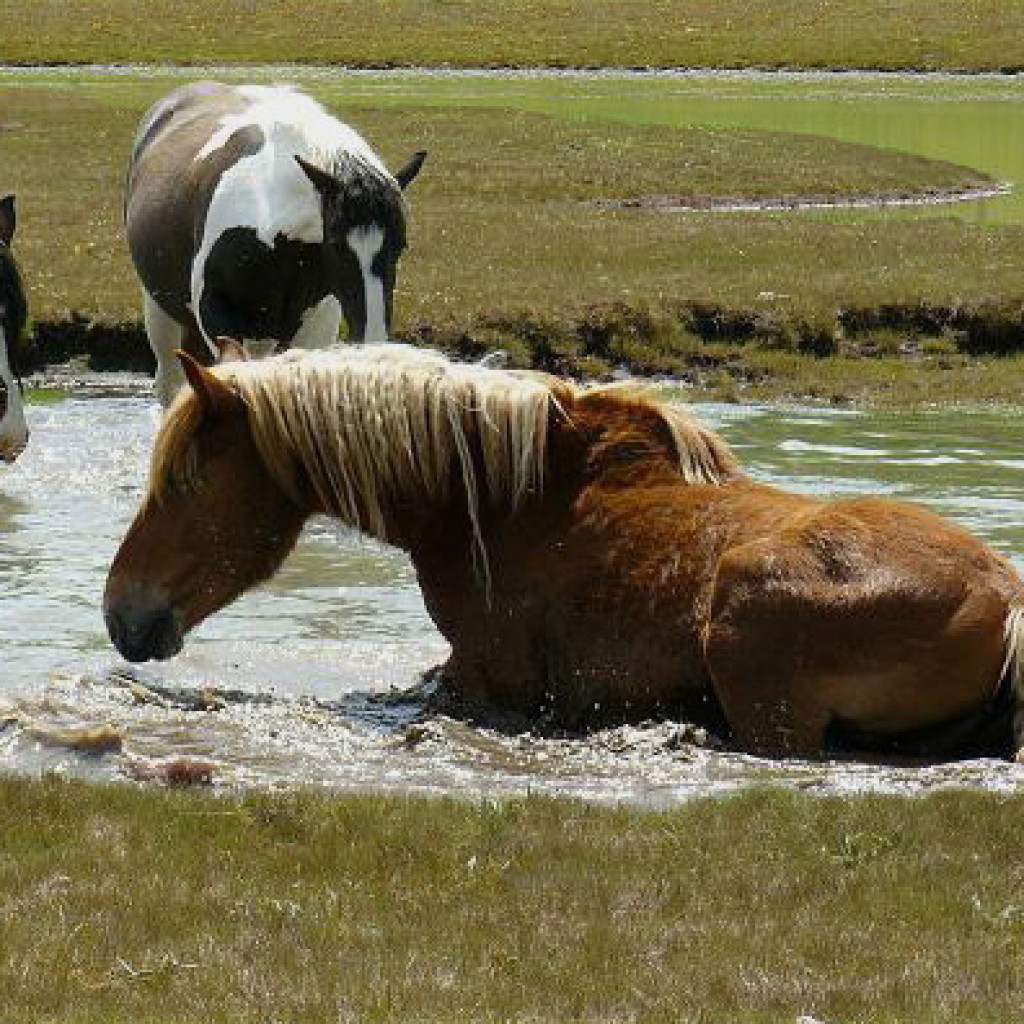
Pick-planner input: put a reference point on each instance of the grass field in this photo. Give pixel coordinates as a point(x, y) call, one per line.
point(162, 907)
point(720, 300)
point(915, 34)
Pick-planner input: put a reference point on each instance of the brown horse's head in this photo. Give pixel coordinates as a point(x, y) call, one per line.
point(212, 525)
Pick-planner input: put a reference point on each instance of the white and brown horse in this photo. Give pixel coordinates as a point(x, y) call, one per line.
point(253, 212)
point(13, 314)
point(591, 555)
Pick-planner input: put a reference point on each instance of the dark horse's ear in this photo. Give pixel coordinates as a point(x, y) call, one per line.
point(230, 350)
point(216, 398)
point(405, 176)
point(8, 219)
point(325, 183)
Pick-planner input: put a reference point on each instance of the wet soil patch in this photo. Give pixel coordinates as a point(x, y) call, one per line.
point(99, 347)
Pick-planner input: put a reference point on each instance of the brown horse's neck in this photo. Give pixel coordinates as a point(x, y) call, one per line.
point(597, 442)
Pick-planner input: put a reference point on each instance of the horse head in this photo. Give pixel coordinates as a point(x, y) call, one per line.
point(364, 234)
point(212, 524)
point(13, 314)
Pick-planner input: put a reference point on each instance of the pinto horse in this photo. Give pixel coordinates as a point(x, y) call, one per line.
point(13, 314)
point(252, 212)
point(590, 554)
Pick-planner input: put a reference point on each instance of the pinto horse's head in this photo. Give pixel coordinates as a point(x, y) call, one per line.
point(364, 229)
point(13, 314)
point(212, 524)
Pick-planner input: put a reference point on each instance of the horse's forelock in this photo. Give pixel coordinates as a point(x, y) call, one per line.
point(173, 462)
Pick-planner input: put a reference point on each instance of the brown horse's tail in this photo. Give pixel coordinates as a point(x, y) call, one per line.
point(1013, 672)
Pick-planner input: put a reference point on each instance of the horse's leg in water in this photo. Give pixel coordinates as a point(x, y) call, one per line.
point(754, 663)
point(165, 336)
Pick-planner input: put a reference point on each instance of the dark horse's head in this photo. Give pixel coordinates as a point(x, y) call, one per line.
point(364, 232)
point(13, 314)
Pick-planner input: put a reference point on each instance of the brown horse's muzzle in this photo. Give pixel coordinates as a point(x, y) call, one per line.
point(141, 625)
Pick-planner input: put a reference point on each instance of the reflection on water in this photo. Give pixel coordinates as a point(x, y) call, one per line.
point(300, 681)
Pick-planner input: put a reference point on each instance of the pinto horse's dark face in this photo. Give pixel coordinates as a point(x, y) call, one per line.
point(13, 314)
point(364, 232)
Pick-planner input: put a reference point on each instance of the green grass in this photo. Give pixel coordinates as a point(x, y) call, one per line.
point(919, 34)
point(120, 904)
point(596, 287)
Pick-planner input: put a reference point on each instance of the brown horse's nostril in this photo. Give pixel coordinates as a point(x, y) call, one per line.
point(144, 635)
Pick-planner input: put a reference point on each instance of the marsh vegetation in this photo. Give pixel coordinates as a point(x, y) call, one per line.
point(913, 34)
point(177, 907)
point(610, 279)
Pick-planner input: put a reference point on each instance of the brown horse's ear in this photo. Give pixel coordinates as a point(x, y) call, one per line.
point(216, 398)
point(230, 350)
point(405, 176)
point(8, 219)
point(326, 184)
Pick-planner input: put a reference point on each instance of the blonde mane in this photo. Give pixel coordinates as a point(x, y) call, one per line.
point(366, 425)
point(702, 457)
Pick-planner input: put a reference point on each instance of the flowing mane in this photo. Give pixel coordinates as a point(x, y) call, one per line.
point(366, 424)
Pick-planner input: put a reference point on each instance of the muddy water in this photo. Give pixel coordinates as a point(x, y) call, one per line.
point(300, 682)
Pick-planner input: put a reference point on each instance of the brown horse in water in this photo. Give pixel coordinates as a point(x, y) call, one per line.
point(590, 554)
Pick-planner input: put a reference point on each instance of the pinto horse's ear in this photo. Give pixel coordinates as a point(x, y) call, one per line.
point(216, 398)
point(405, 176)
point(325, 184)
point(8, 219)
point(230, 350)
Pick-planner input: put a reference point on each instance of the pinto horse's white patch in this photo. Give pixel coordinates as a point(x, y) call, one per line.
point(280, 112)
point(13, 428)
point(319, 324)
point(366, 243)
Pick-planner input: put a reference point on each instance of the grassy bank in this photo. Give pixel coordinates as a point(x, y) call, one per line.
point(610, 279)
point(915, 34)
point(120, 904)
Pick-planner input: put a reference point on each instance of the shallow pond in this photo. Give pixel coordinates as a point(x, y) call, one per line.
point(295, 683)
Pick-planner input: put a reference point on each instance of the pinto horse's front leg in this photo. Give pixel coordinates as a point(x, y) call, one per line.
point(166, 336)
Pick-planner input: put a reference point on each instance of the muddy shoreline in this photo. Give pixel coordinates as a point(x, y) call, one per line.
point(606, 340)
